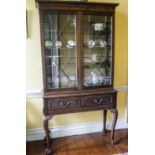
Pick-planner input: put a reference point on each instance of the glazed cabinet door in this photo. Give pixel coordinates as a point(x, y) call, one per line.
point(97, 50)
point(60, 52)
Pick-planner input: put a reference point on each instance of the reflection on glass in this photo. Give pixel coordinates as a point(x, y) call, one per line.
point(97, 50)
point(60, 50)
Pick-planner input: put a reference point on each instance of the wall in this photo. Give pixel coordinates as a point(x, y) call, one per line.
point(34, 70)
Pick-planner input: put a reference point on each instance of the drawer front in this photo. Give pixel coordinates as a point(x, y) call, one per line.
point(64, 103)
point(98, 100)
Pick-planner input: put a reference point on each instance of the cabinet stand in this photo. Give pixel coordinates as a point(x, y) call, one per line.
point(113, 142)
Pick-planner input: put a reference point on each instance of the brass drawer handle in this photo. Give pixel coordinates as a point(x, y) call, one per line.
point(98, 101)
point(64, 104)
point(95, 100)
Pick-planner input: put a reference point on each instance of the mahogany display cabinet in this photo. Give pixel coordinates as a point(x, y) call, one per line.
point(77, 44)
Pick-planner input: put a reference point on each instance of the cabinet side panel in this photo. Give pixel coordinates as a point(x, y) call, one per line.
point(42, 48)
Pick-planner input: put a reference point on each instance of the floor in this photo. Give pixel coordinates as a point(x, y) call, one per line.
point(87, 144)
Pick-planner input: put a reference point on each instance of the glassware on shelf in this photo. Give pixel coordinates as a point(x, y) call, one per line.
point(94, 78)
point(103, 43)
point(71, 44)
point(58, 44)
point(91, 43)
point(64, 80)
point(48, 44)
point(99, 26)
point(69, 81)
point(97, 61)
point(60, 54)
point(72, 81)
point(74, 22)
point(93, 58)
point(97, 79)
point(101, 79)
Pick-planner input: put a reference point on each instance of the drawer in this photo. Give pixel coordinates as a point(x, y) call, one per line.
point(63, 103)
point(98, 100)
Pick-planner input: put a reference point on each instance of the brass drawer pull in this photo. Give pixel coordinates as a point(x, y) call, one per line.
point(95, 100)
point(98, 101)
point(64, 104)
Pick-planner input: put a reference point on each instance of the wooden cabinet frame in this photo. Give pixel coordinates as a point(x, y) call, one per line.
point(79, 99)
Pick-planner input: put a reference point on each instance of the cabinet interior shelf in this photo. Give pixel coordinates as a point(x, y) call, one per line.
point(59, 31)
point(86, 46)
point(60, 48)
point(72, 57)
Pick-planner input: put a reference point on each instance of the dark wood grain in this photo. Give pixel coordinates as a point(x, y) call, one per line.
point(104, 120)
point(78, 92)
point(47, 137)
point(80, 98)
point(79, 51)
point(76, 6)
point(42, 49)
point(86, 144)
point(113, 46)
point(77, 2)
point(115, 116)
point(62, 105)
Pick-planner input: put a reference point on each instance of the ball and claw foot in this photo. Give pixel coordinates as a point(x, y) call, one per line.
point(48, 152)
point(113, 142)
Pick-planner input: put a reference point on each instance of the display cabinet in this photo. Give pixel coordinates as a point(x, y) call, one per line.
point(77, 42)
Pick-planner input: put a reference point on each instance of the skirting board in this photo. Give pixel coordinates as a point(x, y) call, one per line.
point(70, 130)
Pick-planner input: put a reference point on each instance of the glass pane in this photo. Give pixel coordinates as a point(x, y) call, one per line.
point(97, 50)
point(60, 50)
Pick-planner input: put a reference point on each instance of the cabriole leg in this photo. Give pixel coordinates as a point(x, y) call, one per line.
point(104, 120)
point(115, 115)
point(48, 150)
